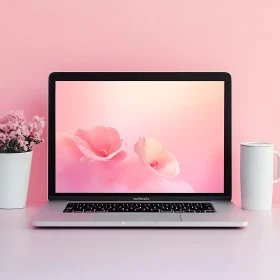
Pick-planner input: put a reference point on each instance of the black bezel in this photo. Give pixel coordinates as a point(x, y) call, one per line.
point(141, 76)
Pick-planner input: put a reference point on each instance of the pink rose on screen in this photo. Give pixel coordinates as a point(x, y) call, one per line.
point(101, 144)
point(156, 157)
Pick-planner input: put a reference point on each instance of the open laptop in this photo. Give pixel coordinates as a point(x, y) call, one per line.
point(148, 149)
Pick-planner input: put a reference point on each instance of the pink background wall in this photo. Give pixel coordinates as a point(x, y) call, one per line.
point(240, 37)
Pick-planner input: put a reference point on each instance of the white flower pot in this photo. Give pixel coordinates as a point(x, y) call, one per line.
point(14, 179)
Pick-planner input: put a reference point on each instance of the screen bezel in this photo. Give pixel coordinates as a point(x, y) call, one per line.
point(140, 76)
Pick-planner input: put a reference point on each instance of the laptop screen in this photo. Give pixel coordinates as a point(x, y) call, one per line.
point(139, 136)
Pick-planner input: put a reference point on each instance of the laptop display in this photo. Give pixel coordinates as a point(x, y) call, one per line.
point(139, 136)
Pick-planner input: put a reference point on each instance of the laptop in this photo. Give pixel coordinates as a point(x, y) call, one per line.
point(145, 149)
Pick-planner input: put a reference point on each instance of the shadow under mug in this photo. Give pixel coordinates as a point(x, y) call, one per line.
point(256, 175)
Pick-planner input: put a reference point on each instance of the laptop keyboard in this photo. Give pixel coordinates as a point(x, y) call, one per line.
point(77, 207)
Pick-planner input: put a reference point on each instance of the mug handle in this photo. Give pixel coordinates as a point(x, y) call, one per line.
point(278, 167)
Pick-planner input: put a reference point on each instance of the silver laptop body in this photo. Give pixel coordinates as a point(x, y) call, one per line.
point(154, 145)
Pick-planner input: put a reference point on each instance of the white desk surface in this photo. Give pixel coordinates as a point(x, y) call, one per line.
point(27, 253)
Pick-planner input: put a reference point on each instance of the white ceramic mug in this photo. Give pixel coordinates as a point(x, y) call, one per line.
point(256, 174)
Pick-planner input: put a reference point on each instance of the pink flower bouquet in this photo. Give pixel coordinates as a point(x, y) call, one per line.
point(17, 135)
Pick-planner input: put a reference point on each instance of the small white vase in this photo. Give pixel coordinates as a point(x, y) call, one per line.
point(14, 179)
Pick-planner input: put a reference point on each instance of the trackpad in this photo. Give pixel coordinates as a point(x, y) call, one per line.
point(135, 217)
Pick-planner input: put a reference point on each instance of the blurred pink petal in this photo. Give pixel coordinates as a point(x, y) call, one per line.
point(101, 143)
point(115, 139)
point(83, 137)
point(67, 152)
point(122, 146)
point(119, 157)
point(100, 138)
point(111, 157)
point(156, 157)
point(81, 142)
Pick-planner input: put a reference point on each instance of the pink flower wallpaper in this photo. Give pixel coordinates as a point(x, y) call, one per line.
point(139, 137)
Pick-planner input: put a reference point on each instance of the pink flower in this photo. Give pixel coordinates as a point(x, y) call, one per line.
point(18, 132)
point(100, 143)
point(13, 116)
point(36, 127)
point(13, 126)
point(23, 144)
point(25, 131)
point(156, 157)
point(3, 127)
point(12, 134)
point(2, 137)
